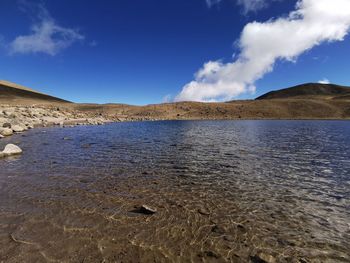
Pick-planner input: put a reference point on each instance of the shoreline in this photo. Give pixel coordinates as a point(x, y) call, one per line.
point(17, 119)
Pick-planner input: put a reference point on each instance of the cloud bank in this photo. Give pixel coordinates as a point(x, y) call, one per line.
point(46, 36)
point(312, 23)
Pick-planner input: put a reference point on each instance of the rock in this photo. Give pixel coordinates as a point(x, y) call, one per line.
point(218, 229)
point(1, 136)
point(263, 258)
point(30, 126)
point(145, 209)
point(148, 210)
point(18, 128)
point(6, 132)
point(11, 149)
point(203, 211)
point(6, 125)
point(208, 254)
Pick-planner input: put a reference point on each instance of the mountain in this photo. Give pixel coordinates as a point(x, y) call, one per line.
point(308, 101)
point(309, 91)
point(11, 93)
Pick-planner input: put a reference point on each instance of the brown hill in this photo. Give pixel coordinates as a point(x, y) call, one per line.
point(309, 101)
point(11, 93)
point(310, 90)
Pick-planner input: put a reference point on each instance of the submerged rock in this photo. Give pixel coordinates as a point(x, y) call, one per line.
point(10, 149)
point(203, 211)
point(263, 258)
point(145, 209)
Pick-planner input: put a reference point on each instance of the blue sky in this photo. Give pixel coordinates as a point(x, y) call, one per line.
point(147, 51)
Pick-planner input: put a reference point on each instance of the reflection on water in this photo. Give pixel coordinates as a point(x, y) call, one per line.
point(234, 191)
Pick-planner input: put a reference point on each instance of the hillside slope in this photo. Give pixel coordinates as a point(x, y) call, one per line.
point(309, 90)
point(309, 101)
point(11, 93)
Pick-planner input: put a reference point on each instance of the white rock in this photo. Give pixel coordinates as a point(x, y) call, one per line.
point(6, 131)
point(11, 149)
point(18, 128)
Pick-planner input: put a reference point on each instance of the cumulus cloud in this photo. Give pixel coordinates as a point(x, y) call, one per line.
point(262, 44)
point(46, 35)
point(324, 81)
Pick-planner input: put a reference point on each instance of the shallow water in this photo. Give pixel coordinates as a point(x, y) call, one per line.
point(223, 191)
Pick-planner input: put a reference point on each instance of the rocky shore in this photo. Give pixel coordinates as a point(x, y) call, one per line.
point(17, 119)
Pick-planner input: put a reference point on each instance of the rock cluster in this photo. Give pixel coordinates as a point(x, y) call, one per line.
point(15, 119)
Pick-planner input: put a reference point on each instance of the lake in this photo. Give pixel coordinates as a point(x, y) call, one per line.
point(224, 191)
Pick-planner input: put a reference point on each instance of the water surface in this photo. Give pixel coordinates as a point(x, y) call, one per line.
point(224, 191)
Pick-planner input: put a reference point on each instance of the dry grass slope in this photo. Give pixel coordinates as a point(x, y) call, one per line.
point(309, 101)
point(11, 93)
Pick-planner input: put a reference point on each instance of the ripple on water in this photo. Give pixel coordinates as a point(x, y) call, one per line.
point(224, 191)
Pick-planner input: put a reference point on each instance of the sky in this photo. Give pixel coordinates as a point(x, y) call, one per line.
point(151, 51)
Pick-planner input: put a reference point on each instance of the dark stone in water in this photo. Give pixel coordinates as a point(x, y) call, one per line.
point(144, 209)
point(209, 254)
point(241, 227)
point(203, 211)
point(218, 229)
point(262, 258)
point(229, 238)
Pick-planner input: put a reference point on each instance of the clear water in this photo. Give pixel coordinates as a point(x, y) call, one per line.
point(224, 191)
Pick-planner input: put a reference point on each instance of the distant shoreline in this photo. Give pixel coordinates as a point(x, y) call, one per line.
point(304, 102)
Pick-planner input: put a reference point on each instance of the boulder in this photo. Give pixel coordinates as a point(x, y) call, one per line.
point(6, 131)
point(11, 149)
point(18, 128)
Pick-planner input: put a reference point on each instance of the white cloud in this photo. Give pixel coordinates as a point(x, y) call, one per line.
point(253, 5)
point(248, 5)
point(324, 81)
point(262, 44)
point(210, 3)
point(46, 37)
point(167, 98)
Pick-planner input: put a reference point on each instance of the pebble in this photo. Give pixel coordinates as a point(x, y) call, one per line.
point(203, 211)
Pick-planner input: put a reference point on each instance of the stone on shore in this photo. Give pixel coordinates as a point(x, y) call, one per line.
point(10, 149)
point(18, 128)
point(6, 131)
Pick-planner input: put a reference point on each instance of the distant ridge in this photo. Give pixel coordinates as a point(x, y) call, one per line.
point(309, 90)
point(10, 92)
